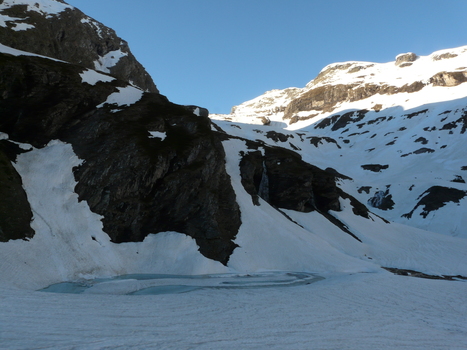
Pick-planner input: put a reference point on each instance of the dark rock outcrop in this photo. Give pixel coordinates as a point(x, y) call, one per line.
point(460, 121)
point(382, 200)
point(73, 37)
point(277, 136)
point(140, 185)
point(282, 179)
point(15, 211)
point(375, 167)
point(316, 140)
point(458, 179)
point(444, 56)
point(436, 197)
point(199, 111)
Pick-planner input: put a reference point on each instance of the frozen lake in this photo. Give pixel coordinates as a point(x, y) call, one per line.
point(154, 284)
point(359, 311)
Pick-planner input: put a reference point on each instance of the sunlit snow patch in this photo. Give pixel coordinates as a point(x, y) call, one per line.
point(153, 284)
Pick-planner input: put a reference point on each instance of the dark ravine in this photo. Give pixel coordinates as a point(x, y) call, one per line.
point(140, 185)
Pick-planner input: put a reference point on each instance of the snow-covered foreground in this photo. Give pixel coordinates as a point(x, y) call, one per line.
point(360, 311)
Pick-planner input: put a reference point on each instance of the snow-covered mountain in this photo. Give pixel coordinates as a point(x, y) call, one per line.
point(341, 83)
point(396, 130)
point(361, 169)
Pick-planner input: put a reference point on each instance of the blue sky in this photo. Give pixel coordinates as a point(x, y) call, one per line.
point(220, 53)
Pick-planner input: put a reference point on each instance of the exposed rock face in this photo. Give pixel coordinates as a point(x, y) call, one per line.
point(449, 78)
point(325, 98)
point(444, 56)
point(15, 211)
point(73, 37)
point(139, 184)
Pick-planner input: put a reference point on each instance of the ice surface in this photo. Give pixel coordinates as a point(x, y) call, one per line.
point(146, 284)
